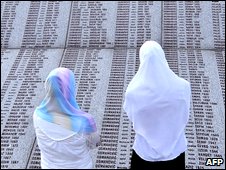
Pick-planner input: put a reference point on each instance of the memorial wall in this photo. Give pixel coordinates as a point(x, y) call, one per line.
point(99, 41)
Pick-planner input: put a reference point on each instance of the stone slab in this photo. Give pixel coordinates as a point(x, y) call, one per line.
point(99, 41)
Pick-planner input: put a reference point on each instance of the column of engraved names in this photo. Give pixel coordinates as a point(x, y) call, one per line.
point(8, 12)
point(202, 109)
point(86, 71)
point(70, 61)
point(170, 23)
point(126, 35)
point(40, 30)
point(193, 33)
point(143, 22)
point(85, 29)
point(217, 103)
point(107, 152)
point(133, 23)
point(172, 59)
point(188, 33)
point(191, 153)
point(126, 134)
point(122, 24)
point(139, 23)
point(181, 24)
point(8, 64)
point(9, 133)
point(4, 86)
point(218, 14)
point(17, 125)
point(220, 58)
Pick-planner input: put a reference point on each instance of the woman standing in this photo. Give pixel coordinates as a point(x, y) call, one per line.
point(65, 134)
point(157, 102)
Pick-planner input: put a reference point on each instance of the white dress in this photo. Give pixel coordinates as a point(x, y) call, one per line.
point(63, 149)
point(157, 102)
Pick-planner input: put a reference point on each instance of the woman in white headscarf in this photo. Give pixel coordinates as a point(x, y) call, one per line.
point(65, 134)
point(157, 102)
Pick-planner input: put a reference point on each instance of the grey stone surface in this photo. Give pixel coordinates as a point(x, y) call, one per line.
point(99, 41)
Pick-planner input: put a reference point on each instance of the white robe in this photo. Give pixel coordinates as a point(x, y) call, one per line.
point(157, 102)
point(62, 148)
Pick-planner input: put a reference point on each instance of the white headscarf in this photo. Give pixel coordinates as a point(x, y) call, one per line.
point(157, 101)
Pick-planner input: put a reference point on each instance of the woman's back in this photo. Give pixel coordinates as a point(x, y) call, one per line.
point(64, 132)
point(157, 102)
point(61, 148)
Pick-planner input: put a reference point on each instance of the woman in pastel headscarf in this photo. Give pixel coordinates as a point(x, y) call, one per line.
point(65, 134)
point(157, 102)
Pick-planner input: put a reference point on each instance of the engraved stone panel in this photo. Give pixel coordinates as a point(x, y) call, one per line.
point(99, 41)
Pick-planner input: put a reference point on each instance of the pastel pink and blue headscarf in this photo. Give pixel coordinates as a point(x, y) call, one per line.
point(59, 105)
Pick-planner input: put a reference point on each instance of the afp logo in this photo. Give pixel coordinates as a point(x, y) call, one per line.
point(214, 161)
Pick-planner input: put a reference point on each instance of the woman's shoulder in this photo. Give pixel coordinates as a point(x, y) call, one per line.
point(52, 130)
